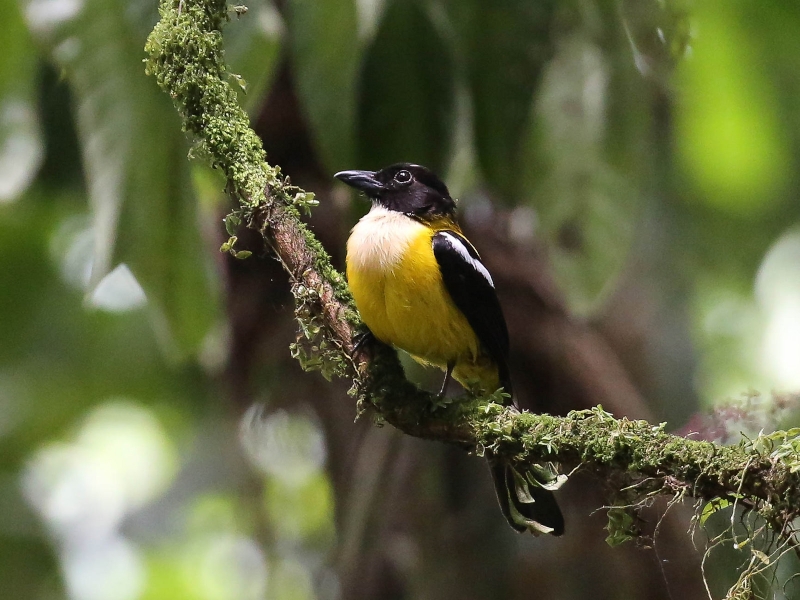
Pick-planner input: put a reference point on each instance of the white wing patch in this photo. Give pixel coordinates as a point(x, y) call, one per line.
point(457, 245)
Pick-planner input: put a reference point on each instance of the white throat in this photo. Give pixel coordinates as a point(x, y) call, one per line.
point(380, 239)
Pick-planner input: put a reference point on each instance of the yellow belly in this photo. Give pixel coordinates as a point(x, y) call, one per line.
point(395, 281)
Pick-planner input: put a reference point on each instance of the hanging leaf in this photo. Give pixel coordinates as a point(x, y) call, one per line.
point(407, 97)
point(325, 52)
point(586, 206)
point(134, 154)
point(21, 146)
point(504, 47)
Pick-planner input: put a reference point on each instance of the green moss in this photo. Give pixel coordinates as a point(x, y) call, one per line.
point(186, 56)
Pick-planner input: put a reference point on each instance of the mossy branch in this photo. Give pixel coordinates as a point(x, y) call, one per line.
point(185, 54)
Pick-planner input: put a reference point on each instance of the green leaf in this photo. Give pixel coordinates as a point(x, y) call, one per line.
point(25, 271)
point(232, 222)
point(228, 246)
point(407, 100)
point(504, 46)
point(534, 527)
point(730, 139)
point(711, 507)
point(325, 53)
point(586, 206)
point(21, 144)
point(305, 201)
point(521, 488)
point(134, 154)
point(621, 527)
point(546, 476)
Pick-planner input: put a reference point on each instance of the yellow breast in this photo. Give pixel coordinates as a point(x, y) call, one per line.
point(395, 281)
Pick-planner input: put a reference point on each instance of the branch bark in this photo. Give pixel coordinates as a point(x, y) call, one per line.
point(185, 54)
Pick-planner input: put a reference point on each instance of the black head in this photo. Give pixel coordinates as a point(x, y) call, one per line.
point(406, 188)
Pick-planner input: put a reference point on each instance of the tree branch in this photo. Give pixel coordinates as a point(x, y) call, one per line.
point(185, 54)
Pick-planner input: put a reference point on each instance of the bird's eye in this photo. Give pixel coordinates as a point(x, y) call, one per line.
point(402, 177)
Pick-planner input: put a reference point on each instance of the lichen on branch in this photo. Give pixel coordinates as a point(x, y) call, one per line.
point(185, 55)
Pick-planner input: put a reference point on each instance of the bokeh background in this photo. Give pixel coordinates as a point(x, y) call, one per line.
point(627, 169)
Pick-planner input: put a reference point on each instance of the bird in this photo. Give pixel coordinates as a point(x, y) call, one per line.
point(420, 285)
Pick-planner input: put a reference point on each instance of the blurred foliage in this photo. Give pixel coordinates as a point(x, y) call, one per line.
point(20, 135)
point(325, 54)
point(657, 138)
point(407, 92)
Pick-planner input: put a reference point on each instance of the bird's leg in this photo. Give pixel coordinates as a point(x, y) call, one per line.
point(448, 374)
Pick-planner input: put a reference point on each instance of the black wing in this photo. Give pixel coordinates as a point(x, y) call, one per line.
point(472, 290)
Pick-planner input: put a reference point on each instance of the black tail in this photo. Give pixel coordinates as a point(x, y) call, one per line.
point(542, 515)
